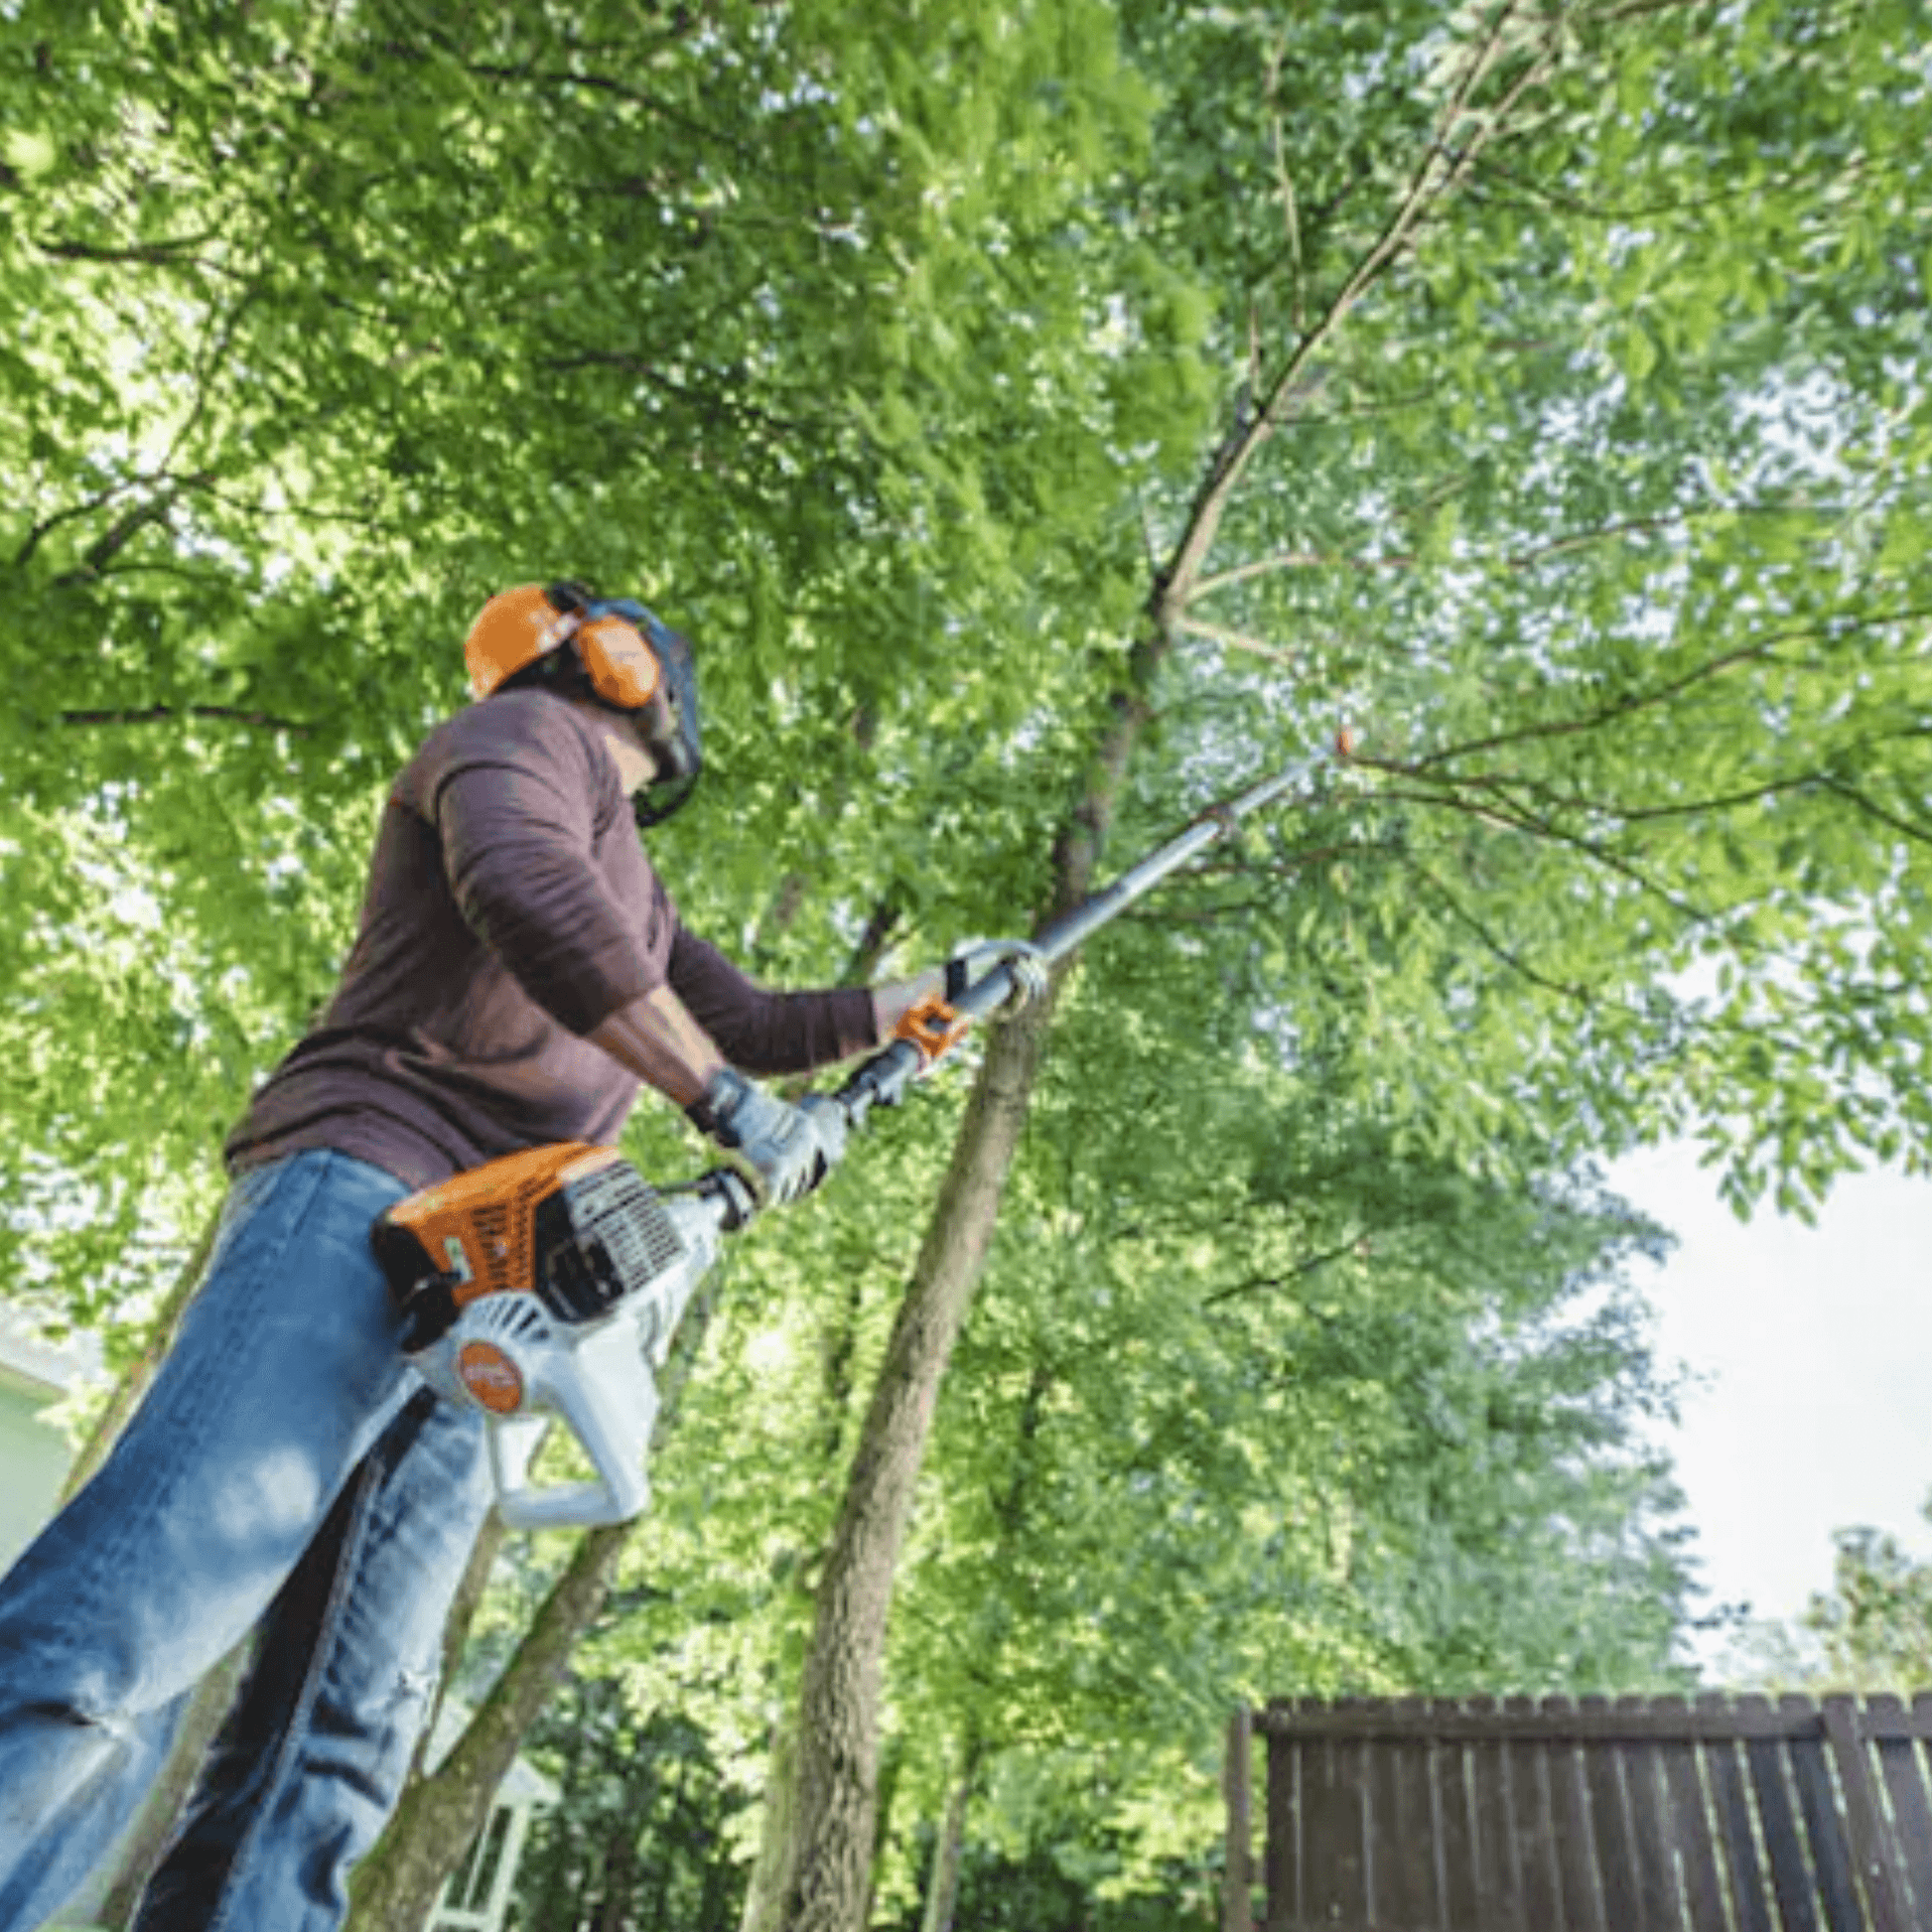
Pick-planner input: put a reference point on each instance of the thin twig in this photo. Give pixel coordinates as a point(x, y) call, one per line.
point(1298, 309)
point(166, 714)
point(1236, 641)
point(1487, 940)
point(1300, 1272)
point(1669, 690)
point(1441, 169)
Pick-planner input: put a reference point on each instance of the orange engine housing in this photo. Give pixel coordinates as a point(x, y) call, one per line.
point(478, 1231)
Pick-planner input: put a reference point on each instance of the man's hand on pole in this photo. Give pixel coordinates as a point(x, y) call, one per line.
point(788, 1150)
point(975, 958)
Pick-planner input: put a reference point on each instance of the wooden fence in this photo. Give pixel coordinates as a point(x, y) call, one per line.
point(1638, 1814)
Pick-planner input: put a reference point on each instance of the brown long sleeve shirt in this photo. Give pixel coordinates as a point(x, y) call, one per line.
point(511, 909)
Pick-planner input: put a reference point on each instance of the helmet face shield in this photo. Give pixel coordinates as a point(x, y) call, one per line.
point(670, 722)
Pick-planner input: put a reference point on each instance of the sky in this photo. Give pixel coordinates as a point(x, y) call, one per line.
point(1813, 1346)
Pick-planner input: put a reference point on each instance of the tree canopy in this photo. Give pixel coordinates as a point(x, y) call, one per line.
point(1045, 416)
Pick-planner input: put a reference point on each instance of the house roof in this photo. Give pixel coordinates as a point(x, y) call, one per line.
point(29, 1356)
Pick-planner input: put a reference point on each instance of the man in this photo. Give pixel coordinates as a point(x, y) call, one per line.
point(519, 972)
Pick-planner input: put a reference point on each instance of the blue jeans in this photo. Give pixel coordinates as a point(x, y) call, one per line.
point(286, 1470)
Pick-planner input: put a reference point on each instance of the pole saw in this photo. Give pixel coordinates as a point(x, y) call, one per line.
point(549, 1284)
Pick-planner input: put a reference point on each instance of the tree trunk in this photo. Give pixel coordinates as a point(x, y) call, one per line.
point(764, 1894)
point(814, 1865)
point(882, 1821)
point(456, 1631)
point(942, 1888)
point(619, 1888)
point(825, 1858)
point(395, 1887)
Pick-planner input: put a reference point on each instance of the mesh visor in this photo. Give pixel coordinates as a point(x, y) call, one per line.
point(672, 729)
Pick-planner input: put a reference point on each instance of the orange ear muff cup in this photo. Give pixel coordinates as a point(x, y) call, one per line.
point(621, 666)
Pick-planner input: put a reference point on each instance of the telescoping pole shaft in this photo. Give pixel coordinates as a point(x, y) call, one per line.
point(883, 1077)
point(1060, 937)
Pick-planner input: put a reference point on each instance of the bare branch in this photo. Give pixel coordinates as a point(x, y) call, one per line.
point(1864, 802)
point(1294, 560)
point(1350, 1245)
point(1517, 560)
point(175, 253)
point(1291, 217)
point(167, 714)
point(1670, 689)
point(46, 527)
point(1440, 170)
point(1514, 960)
point(1495, 806)
point(1236, 641)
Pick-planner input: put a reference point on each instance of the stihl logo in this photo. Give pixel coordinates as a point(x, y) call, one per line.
point(491, 1377)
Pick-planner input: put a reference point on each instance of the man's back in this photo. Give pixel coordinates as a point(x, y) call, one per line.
point(509, 907)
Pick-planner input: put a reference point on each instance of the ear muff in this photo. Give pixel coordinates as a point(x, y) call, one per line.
point(622, 667)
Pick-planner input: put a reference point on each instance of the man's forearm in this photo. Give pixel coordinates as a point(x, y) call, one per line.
point(659, 1040)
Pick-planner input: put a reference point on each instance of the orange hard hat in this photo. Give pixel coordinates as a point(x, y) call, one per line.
point(515, 628)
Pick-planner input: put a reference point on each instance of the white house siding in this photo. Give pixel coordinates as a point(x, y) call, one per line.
point(33, 1452)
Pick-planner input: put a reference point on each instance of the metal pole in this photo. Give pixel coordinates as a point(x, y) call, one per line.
point(1061, 935)
point(883, 1077)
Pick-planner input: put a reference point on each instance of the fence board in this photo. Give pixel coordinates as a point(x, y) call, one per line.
point(1690, 1818)
point(1617, 1849)
point(1405, 1876)
point(1237, 1883)
point(1656, 1869)
point(1583, 1899)
point(1823, 1828)
point(1460, 1856)
point(1331, 1819)
point(1791, 1882)
point(1873, 1856)
point(1901, 1769)
point(1532, 1829)
point(1348, 1897)
point(1281, 1855)
point(1500, 1898)
point(1751, 1899)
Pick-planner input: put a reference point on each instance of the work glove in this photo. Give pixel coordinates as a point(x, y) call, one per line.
point(787, 1150)
point(973, 959)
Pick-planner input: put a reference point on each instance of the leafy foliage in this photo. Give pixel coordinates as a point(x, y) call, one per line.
point(1871, 1631)
point(636, 1834)
point(333, 324)
point(1873, 1626)
point(1546, 391)
point(1599, 519)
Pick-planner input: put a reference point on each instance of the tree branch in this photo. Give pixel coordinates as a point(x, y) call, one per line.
point(1440, 170)
point(164, 713)
point(1580, 995)
point(1509, 814)
point(1236, 641)
point(150, 254)
point(1515, 560)
point(1349, 1245)
point(1663, 693)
